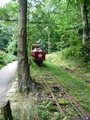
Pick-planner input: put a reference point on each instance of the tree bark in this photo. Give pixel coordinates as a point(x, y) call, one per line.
point(6, 111)
point(24, 79)
point(85, 24)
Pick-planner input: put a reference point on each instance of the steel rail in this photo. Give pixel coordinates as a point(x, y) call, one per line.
point(73, 103)
point(54, 98)
point(74, 106)
point(58, 106)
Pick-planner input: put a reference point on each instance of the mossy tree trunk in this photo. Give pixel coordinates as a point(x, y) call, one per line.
point(85, 24)
point(24, 79)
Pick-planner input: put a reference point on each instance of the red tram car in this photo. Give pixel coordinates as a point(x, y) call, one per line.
point(37, 54)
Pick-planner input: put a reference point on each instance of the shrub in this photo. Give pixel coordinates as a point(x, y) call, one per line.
point(9, 57)
point(6, 58)
point(2, 58)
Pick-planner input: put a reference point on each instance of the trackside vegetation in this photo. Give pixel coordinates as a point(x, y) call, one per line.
point(78, 88)
point(36, 105)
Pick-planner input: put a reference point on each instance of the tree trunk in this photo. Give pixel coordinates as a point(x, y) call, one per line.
point(6, 111)
point(24, 79)
point(85, 24)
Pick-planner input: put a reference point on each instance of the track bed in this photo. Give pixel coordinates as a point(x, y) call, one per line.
point(62, 102)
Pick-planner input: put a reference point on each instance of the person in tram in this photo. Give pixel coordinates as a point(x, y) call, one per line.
point(37, 49)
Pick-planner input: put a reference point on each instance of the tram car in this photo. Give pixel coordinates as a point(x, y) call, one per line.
point(37, 53)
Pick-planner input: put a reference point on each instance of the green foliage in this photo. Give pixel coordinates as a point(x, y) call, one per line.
point(72, 52)
point(8, 27)
point(2, 58)
point(12, 46)
point(57, 28)
point(9, 57)
point(85, 54)
point(5, 37)
point(56, 24)
point(45, 111)
point(6, 58)
point(9, 11)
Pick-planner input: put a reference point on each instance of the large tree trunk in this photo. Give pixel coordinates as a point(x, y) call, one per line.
point(85, 24)
point(86, 47)
point(24, 78)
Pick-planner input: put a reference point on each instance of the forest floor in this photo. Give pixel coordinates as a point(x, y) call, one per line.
point(38, 105)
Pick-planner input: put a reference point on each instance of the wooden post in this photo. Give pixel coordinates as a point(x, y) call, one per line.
point(6, 111)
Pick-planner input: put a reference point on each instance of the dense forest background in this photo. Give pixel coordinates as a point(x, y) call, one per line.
point(57, 25)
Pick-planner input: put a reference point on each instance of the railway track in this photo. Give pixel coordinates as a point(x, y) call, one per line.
point(53, 88)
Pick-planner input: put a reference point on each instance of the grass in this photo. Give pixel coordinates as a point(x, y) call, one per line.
point(29, 108)
point(25, 109)
point(58, 59)
point(76, 86)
